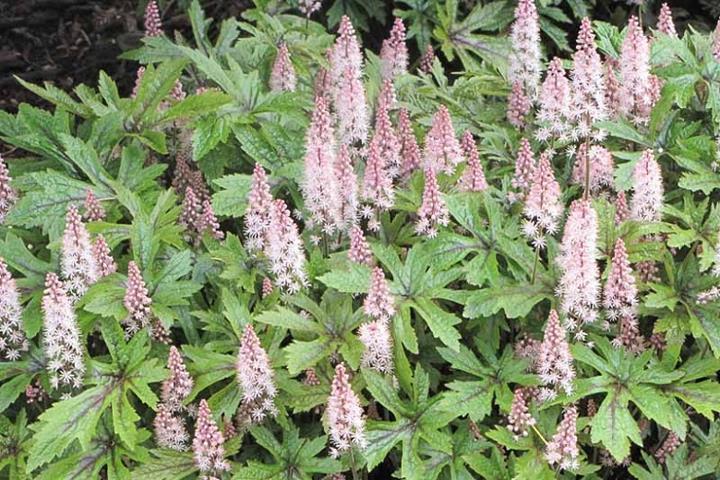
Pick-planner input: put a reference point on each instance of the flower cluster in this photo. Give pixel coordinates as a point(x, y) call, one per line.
point(563, 448)
point(554, 104)
point(255, 377)
point(524, 67)
point(524, 171)
point(542, 204)
point(555, 362)
point(602, 167)
point(473, 178)
point(282, 77)
point(61, 336)
point(77, 263)
point(136, 300)
point(207, 445)
point(12, 335)
point(394, 53)
point(646, 202)
point(579, 286)
point(378, 345)
point(433, 211)
point(520, 419)
point(442, 149)
point(379, 303)
point(588, 104)
point(638, 88)
point(8, 196)
point(346, 423)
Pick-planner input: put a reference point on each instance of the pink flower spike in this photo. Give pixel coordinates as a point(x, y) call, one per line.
point(442, 149)
point(620, 293)
point(346, 52)
point(433, 211)
point(669, 445)
point(579, 286)
point(647, 200)
point(665, 22)
point(177, 387)
point(524, 170)
point(519, 106)
point(255, 377)
point(473, 179)
point(284, 249)
point(347, 184)
point(387, 99)
point(209, 222)
point(554, 102)
point(153, 24)
point(427, 59)
point(386, 140)
point(543, 205)
point(169, 429)
point(208, 449)
point(351, 108)
point(359, 249)
point(77, 263)
point(8, 195)
point(377, 185)
point(378, 353)
point(409, 149)
point(636, 95)
point(622, 212)
point(520, 419)
point(588, 85)
point(267, 287)
point(103, 257)
point(136, 301)
point(601, 167)
point(345, 419)
point(257, 214)
point(61, 336)
point(94, 212)
point(379, 303)
point(282, 77)
point(555, 362)
point(716, 42)
point(524, 65)
point(191, 212)
point(563, 448)
point(12, 334)
point(394, 53)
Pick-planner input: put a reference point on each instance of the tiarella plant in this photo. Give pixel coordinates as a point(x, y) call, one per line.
point(468, 250)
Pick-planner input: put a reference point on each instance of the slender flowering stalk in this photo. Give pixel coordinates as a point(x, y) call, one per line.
point(377, 354)
point(636, 88)
point(103, 257)
point(563, 448)
point(629, 336)
point(647, 199)
point(348, 91)
point(524, 171)
point(308, 7)
point(190, 213)
point(138, 80)
point(433, 211)
point(555, 362)
point(622, 212)
point(284, 249)
point(8, 196)
point(394, 53)
point(346, 423)
point(61, 336)
point(427, 59)
point(379, 303)
point(94, 211)
point(267, 287)
point(208, 448)
point(520, 419)
point(359, 249)
point(208, 222)
point(377, 185)
point(588, 85)
point(620, 293)
point(612, 87)
point(136, 301)
point(257, 214)
point(473, 178)
point(322, 85)
point(319, 185)
point(669, 445)
point(542, 205)
point(716, 42)
point(387, 99)
point(524, 67)
point(153, 24)
point(347, 184)
point(579, 286)
point(282, 77)
point(554, 100)
point(665, 22)
point(409, 149)
point(519, 105)
point(386, 141)
point(177, 387)
point(77, 263)
point(12, 336)
point(255, 376)
point(187, 176)
point(170, 432)
point(442, 149)
point(601, 167)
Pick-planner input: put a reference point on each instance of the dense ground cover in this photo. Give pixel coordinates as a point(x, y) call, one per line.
point(486, 246)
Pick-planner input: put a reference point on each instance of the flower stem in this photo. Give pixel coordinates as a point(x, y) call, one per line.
point(534, 270)
point(539, 434)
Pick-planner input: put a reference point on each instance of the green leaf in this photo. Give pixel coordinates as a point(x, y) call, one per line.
point(516, 300)
point(283, 317)
point(440, 322)
point(303, 355)
point(231, 200)
point(354, 279)
point(614, 426)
